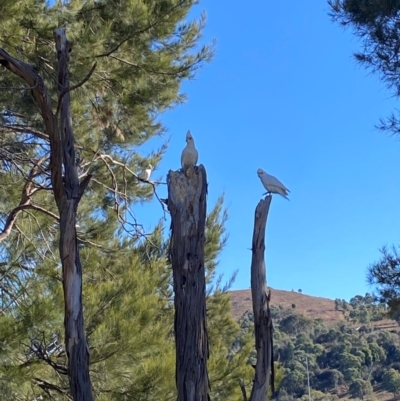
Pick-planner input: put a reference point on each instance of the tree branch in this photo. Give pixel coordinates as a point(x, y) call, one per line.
point(25, 203)
point(33, 79)
point(45, 385)
point(140, 31)
point(24, 130)
point(243, 389)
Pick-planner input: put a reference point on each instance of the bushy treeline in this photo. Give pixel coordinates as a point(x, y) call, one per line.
point(349, 359)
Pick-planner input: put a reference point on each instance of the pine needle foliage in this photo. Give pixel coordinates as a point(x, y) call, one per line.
point(138, 52)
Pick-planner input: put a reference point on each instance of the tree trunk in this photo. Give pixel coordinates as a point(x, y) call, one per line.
point(68, 192)
point(187, 204)
point(262, 319)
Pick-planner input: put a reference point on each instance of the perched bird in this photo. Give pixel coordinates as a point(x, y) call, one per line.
point(272, 184)
point(189, 154)
point(145, 174)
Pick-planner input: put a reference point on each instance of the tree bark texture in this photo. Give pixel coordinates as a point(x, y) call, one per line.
point(68, 192)
point(187, 204)
point(264, 369)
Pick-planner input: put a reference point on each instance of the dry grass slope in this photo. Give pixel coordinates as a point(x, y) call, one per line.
point(307, 305)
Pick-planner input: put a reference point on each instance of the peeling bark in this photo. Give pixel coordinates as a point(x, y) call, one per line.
point(264, 369)
point(68, 192)
point(187, 204)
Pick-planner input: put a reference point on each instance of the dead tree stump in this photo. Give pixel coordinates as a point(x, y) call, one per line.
point(187, 205)
point(264, 369)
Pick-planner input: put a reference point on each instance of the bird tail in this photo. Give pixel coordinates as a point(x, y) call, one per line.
point(284, 194)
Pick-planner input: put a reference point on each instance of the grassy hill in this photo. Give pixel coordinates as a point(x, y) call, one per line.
point(306, 305)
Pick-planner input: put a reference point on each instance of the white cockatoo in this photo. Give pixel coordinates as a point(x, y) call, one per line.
point(272, 184)
point(190, 155)
point(145, 174)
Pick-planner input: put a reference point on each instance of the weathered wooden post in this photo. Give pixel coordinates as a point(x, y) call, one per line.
point(264, 369)
point(187, 205)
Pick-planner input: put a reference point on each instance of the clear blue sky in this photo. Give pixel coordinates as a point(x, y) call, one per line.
point(284, 93)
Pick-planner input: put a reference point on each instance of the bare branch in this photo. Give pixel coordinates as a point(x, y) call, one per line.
point(25, 202)
point(43, 99)
point(41, 352)
point(23, 129)
point(125, 167)
point(45, 385)
point(32, 206)
point(243, 389)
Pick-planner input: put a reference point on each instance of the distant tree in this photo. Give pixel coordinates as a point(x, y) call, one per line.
point(351, 374)
point(293, 306)
point(294, 324)
point(368, 358)
point(284, 396)
point(377, 352)
point(316, 395)
point(336, 377)
point(369, 299)
point(338, 303)
point(361, 314)
point(357, 301)
point(391, 381)
point(348, 360)
point(360, 388)
point(300, 290)
point(329, 379)
point(295, 382)
point(286, 352)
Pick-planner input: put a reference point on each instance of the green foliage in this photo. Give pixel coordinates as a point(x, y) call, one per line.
point(360, 388)
point(342, 359)
point(129, 323)
point(293, 324)
point(143, 50)
point(391, 381)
